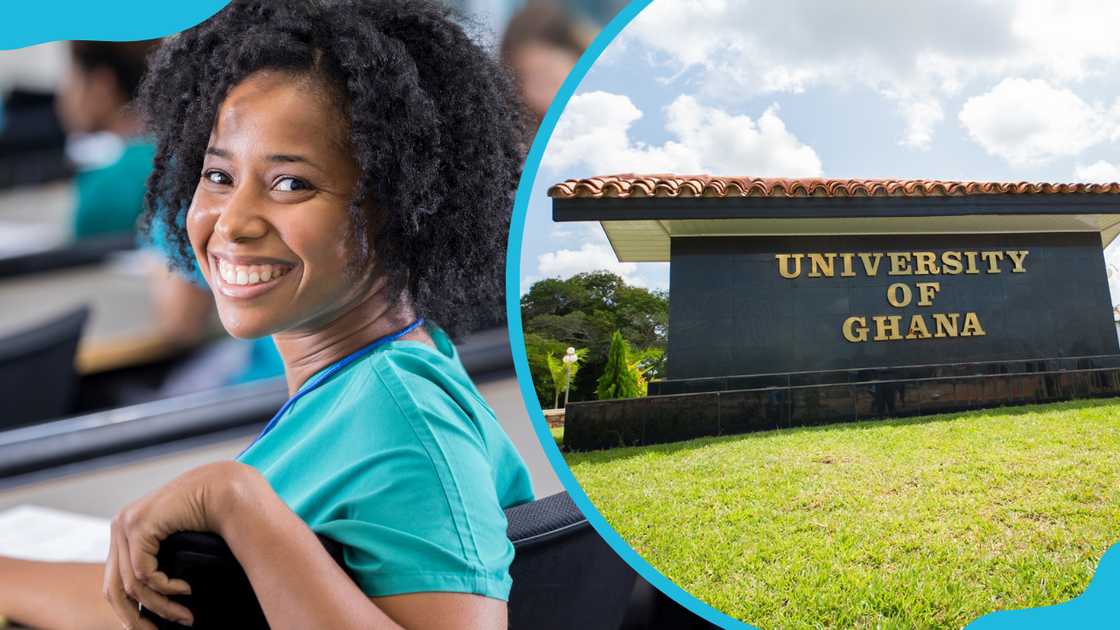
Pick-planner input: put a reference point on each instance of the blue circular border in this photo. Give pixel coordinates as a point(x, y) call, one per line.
point(517, 339)
point(1085, 608)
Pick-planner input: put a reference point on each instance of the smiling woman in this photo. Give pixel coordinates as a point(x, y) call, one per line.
point(341, 174)
point(269, 218)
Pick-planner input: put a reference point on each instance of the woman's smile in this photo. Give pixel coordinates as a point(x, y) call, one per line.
point(246, 278)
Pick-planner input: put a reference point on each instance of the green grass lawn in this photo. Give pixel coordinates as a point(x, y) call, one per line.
point(924, 522)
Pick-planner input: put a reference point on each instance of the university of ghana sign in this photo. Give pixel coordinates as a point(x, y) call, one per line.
point(806, 301)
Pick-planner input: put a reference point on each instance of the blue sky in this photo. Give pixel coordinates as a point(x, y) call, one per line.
point(996, 90)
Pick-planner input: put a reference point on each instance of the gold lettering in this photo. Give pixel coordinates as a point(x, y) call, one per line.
point(847, 269)
point(925, 263)
point(892, 295)
point(946, 324)
point(855, 329)
point(971, 267)
point(918, 328)
point(1017, 259)
point(926, 291)
point(887, 327)
point(869, 267)
point(783, 265)
point(991, 258)
point(951, 263)
point(900, 264)
point(822, 264)
point(972, 326)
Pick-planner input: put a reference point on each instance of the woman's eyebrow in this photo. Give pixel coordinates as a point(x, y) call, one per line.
point(287, 158)
point(294, 158)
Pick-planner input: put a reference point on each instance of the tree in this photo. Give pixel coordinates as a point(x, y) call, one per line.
point(649, 363)
point(537, 349)
point(604, 299)
point(584, 311)
point(563, 374)
point(620, 379)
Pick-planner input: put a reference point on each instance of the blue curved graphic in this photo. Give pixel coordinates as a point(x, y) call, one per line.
point(1088, 611)
point(1097, 607)
point(39, 21)
point(517, 340)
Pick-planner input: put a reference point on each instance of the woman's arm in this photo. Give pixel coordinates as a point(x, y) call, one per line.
point(183, 309)
point(54, 595)
point(296, 581)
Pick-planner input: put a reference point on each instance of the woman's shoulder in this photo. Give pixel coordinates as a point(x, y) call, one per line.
point(405, 389)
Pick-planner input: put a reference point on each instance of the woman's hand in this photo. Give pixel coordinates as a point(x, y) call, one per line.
point(191, 502)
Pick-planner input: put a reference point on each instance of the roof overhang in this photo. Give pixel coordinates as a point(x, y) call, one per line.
point(640, 229)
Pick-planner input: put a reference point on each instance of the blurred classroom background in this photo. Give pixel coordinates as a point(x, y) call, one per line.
point(115, 375)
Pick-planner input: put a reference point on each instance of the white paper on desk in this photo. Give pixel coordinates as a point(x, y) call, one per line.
point(32, 532)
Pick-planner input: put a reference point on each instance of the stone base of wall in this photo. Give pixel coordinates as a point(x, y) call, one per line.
point(676, 417)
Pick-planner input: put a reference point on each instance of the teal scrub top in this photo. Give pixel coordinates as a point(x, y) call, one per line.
point(110, 198)
point(397, 457)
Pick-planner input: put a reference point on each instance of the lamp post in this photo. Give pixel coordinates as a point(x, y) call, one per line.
point(569, 358)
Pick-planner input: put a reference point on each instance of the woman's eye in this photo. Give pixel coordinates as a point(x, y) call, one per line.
point(291, 184)
point(216, 177)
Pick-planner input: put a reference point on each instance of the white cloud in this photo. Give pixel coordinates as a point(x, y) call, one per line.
point(917, 54)
point(921, 119)
point(594, 131)
point(1070, 40)
point(1032, 122)
point(735, 144)
point(1098, 172)
point(566, 263)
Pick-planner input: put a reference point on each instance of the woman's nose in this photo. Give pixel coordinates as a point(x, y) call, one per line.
point(240, 219)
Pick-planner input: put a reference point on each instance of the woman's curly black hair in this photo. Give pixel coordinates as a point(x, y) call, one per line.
point(436, 127)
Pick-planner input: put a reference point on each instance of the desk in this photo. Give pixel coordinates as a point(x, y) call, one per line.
point(35, 217)
point(122, 328)
point(102, 486)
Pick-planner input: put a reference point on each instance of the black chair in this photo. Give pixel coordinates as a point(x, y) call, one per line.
point(564, 574)
point(37, 376)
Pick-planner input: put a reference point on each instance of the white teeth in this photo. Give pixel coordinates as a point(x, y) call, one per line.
point(252, 274)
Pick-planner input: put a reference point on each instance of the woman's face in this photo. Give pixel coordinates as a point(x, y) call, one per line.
point(269, 222)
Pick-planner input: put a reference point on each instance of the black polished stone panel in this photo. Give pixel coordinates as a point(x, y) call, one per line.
point(732, 315)
point(657, 419)
point(869, 375)
point(680, 418)
point(821, 405)
point(606, 424)
point(746, 411)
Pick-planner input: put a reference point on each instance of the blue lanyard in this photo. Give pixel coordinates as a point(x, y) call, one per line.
point(330, 371)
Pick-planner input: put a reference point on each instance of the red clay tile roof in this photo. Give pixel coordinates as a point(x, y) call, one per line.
point(629, 185)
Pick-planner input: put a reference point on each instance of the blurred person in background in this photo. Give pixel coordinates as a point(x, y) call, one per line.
point(541, 45)
point(95, 104)
point(95, 97)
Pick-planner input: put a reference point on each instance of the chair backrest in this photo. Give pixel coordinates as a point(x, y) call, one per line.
point(37, 376)
point(86, 251)
point(564, 574)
